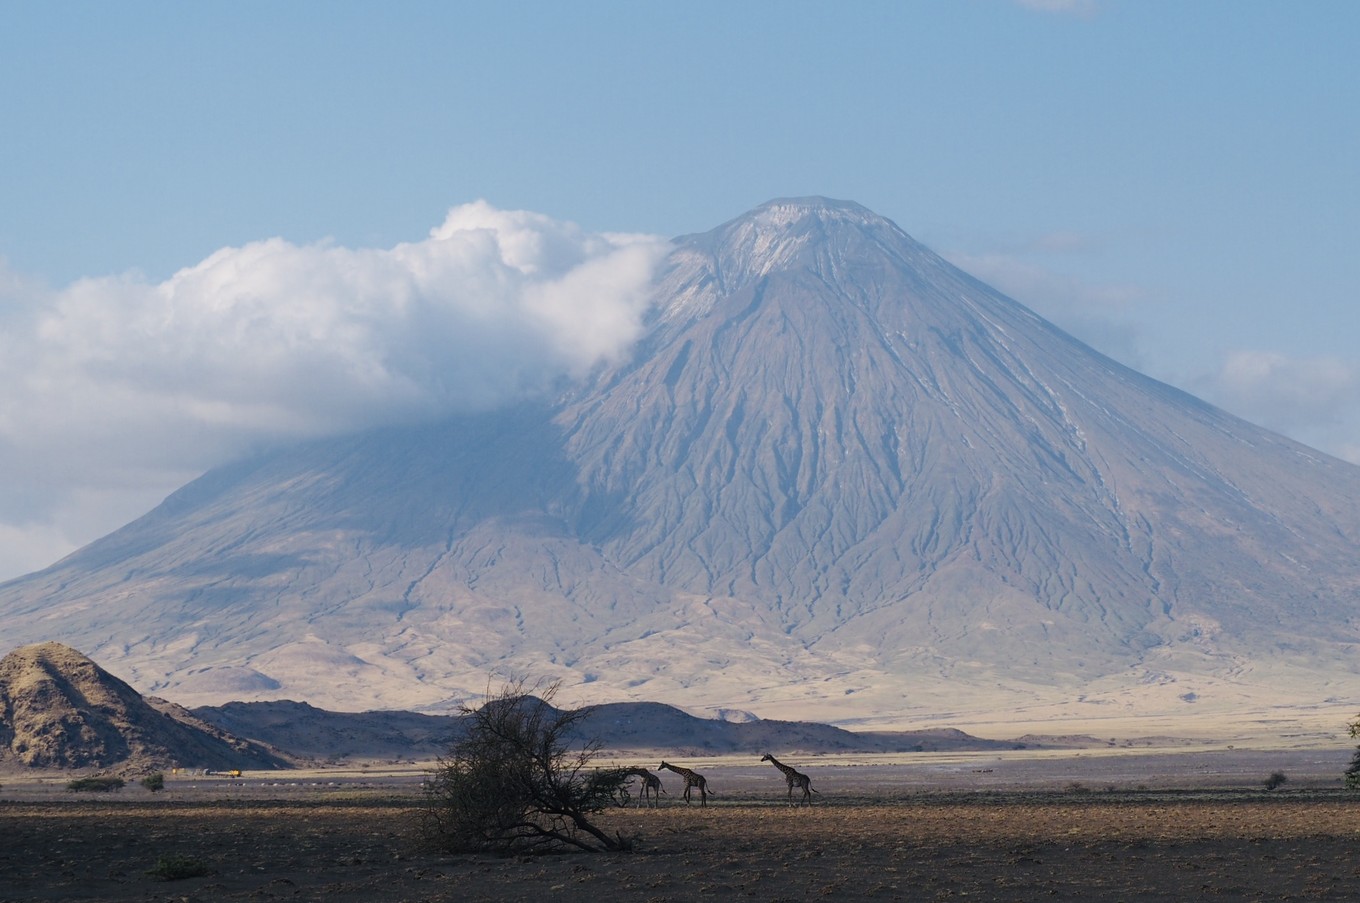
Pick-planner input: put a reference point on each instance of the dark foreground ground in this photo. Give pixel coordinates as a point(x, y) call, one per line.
point(360, 845)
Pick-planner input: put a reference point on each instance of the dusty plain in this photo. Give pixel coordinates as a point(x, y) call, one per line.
point(1094, 825)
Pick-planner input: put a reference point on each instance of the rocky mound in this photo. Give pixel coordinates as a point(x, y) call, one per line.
point(627, 726)
point(308, 732)
point(58, 709)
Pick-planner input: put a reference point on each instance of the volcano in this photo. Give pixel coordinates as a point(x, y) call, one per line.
point(838, 479)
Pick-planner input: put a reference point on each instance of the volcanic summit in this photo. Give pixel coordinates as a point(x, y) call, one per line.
point(838, 479)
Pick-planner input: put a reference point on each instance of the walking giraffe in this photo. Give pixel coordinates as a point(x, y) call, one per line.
point(794, 777)
point(692, 779)
point(650, 783)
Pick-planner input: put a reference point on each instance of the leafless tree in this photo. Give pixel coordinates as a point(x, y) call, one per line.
point(519, 778)
point(1353, 770)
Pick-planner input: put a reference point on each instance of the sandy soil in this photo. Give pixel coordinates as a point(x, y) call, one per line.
point(876, 832)
point(1027, 847)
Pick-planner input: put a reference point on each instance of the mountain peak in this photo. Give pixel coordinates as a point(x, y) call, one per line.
point(811, 234)
point(783, 212)
point(785, 220)
point(837, 475)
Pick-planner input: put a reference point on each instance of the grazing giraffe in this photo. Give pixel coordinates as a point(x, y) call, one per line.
point(794, 777)
point(650, 783)
point(692, 779)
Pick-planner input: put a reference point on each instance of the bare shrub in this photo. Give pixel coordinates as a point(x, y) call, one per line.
point(177, 868)
point(98, 784)
point(1276, 779)
point(519, 779)
point(1353, 770)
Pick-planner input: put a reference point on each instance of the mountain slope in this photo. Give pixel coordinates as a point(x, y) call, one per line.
point(833, 416)
point(58, 709)
point(839, 478)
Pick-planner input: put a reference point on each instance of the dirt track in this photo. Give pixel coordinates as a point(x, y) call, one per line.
point(1077, 845)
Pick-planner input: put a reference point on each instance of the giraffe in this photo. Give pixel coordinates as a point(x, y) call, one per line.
point(794, 777)
point(650, 784)
point(692, 779)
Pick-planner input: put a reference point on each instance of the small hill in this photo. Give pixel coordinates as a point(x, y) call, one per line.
point(655, 726)
point(308, 732)
point(58, 709)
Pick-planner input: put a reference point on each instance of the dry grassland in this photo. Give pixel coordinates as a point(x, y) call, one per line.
point(264, 841)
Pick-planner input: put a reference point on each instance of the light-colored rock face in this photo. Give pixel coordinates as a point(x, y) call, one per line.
point(57, 712)
point(839, 479)
point(58, 709)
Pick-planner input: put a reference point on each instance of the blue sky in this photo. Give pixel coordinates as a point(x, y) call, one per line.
point(1175, 182)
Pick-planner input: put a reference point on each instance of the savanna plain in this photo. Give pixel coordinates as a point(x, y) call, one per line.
point(1090, 825)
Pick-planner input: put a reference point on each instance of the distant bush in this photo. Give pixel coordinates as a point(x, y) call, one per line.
point(1276, 779)
point(154, 782)
point(96, 785)
point(177, 868)
point(1353, 770)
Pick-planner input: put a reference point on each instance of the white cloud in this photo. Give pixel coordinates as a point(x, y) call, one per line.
point(115, 390)
point(1315, 400)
